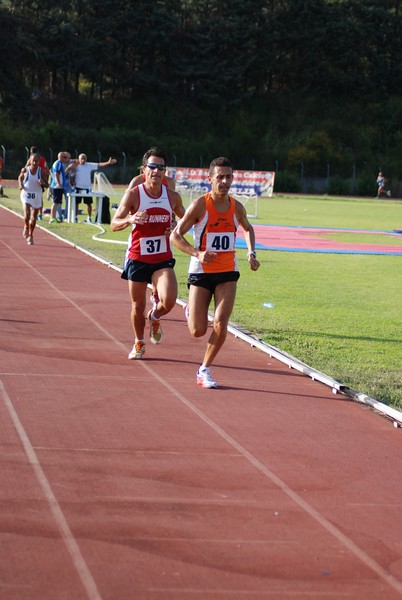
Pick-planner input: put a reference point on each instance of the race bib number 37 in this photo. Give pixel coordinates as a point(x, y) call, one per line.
point(153, 245)
point(220, 242)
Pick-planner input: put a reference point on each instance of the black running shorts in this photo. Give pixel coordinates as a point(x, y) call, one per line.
point(135, 270)
point(211, 280)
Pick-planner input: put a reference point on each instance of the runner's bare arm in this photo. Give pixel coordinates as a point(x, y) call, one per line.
point(126, 213)
point(170, 183)
point(137, 180)
point(249, 235)
point(44, 182)
point(21, 178)
point(177, 204)
point(193, 214)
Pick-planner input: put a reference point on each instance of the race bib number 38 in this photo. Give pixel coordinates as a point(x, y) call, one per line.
point(29, 195)
point(220, 242)
point(153, 245)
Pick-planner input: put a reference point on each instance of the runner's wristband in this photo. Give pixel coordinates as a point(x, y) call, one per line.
point(251, 254)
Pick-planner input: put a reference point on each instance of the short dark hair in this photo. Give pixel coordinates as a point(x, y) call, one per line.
point(33, 150)
point(154, 151)
point(222, 161)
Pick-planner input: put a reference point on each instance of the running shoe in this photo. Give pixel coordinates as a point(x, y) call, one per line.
point(30, 240)
point(205, 380)
point(138, 351)
point(89, 220)
point(25, 233)
point(155, 330)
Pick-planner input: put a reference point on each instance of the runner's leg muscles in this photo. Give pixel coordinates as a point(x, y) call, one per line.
point(137, 290)
point(166, 285)
point(27, 214)
point(198, 303)
point(32, 220)
point(225, 294)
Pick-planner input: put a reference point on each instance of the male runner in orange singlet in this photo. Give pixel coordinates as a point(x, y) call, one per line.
point(213, 270)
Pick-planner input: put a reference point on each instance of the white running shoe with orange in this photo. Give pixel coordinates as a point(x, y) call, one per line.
point(204, 378)
point(138, 351)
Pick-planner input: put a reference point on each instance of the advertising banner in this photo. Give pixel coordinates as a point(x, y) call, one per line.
point(245, 183)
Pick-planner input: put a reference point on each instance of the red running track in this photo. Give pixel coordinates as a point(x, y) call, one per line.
point(124, 480)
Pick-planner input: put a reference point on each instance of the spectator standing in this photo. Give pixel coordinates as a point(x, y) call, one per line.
point(70, 176)
point(82, 170)
point(31, 184)
point(58, 185)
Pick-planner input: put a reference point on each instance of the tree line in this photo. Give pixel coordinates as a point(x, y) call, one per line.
point(275, 80)
point(214, 50)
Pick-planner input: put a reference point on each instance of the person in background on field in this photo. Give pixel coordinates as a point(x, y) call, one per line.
point(31, 183)
point(58, 185)
point(70, 175)
point(82, 170)
point(69, 185)
point(148, 208)
point(381, 181)
point(213, 271)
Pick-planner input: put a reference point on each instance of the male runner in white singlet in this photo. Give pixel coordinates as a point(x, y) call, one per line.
point(149, 208)
point(31, 183)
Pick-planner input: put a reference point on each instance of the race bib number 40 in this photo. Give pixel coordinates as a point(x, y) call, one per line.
point(220, 242)
point(153, 245)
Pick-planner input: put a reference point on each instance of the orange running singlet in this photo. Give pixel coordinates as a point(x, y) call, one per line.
point(216, 232)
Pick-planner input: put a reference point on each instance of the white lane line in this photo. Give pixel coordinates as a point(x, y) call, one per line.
point(310, 510)
point(61, 522)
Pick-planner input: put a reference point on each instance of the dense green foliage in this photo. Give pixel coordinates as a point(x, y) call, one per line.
point(274, 84)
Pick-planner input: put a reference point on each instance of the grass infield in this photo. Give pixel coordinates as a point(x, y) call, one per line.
point(339, 313)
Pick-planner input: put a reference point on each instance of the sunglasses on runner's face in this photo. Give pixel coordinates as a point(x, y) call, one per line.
point(156, 166)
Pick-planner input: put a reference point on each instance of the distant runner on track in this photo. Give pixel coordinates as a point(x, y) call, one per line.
point(31, 183)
